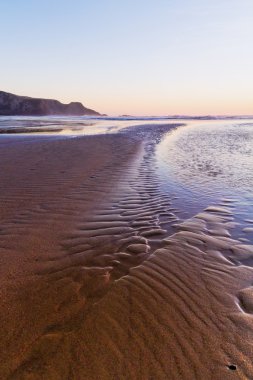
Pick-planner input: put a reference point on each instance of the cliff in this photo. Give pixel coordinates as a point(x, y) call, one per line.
point(14, 105)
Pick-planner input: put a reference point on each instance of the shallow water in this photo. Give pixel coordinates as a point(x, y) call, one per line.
point(71, 126)
point(210, 163)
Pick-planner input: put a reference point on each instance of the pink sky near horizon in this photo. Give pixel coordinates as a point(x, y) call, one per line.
point(139, 58)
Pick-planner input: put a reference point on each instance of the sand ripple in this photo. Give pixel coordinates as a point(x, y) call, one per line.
point(95, 285)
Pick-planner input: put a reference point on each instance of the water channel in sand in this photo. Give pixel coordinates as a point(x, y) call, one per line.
point(210, 163)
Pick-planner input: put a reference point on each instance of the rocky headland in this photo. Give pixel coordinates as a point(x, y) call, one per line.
point(15, 105)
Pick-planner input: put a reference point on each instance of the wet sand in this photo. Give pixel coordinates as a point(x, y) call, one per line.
point(95, 285)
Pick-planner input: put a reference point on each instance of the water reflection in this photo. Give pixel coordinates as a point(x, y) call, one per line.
point(72, 126)
point(211, 163)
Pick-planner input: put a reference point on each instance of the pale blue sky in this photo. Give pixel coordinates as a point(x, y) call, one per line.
point(135, 57)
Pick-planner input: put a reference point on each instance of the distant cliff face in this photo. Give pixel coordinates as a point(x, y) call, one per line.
point(12, 105)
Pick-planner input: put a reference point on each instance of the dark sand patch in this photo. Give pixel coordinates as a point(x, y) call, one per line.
point(19, 130)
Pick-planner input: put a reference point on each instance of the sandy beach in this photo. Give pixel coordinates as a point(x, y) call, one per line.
point(99, 277)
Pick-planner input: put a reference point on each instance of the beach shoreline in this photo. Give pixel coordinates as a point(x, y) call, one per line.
point(92, 283)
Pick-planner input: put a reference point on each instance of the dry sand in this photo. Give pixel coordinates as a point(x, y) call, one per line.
point(92, 285)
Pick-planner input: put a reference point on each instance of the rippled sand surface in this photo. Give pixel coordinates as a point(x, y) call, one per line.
point(107, 274)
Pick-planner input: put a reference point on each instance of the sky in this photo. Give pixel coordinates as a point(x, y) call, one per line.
point(137, 57)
